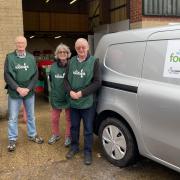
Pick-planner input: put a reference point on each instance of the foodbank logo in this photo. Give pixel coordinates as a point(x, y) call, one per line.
point(175, 57)
point(174, 68)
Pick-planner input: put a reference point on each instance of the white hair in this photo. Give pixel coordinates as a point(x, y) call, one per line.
point(21, 38)
point(82, 41)
point(64, 47)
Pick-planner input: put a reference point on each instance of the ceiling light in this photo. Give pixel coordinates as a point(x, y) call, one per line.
point(31, 37)
point(47, 1)
point(73, 1)
point(57, 37)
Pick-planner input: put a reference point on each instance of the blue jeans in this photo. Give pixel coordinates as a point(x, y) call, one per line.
point(13, 109)
point(87, 115)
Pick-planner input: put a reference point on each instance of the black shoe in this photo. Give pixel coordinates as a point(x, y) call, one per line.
point(88, 159)
point(71, 154)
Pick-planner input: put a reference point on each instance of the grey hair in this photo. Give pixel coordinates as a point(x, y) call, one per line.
point(22, 38)
point(62, 46)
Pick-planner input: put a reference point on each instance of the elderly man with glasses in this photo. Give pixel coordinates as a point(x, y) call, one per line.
point(83, 79)
point(20, 74)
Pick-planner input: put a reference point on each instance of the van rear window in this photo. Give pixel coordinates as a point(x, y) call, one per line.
point(126, 58)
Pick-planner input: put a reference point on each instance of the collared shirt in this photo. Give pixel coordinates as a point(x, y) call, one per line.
point(21, 55)
point(81, 60)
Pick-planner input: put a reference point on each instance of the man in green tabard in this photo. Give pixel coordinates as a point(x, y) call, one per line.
point(82, 80)
point(20, 75)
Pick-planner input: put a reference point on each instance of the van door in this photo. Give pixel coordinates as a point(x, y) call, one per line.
point(159, 97)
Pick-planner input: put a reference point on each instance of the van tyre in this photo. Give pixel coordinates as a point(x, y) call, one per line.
point(118, 144)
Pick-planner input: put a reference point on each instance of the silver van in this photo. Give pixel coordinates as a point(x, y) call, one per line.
point(138, 109)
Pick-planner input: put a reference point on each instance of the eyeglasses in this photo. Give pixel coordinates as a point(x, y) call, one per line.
point(19, 42)
point(81, 47)
point(62, 52)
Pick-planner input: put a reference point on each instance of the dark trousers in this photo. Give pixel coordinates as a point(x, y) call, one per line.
point(87, 115)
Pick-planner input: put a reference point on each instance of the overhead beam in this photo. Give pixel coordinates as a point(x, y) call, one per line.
point(104, 11)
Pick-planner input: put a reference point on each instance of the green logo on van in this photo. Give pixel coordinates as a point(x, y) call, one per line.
point(175, 57)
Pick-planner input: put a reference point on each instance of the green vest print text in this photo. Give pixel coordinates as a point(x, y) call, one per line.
point(59, 76)
point(79, 73)
point(19, 66)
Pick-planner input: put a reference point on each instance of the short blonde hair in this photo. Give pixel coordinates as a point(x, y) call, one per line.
point(62, 46)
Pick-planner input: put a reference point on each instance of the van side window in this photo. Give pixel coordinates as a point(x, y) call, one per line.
point(156, 56)
point(126, 58)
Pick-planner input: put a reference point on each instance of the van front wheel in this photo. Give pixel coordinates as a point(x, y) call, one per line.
point(117, 142)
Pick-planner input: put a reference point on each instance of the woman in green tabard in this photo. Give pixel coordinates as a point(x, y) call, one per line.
point(58, 96)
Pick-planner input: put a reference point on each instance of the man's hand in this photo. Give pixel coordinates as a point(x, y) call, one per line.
point(75, 95)
point(26, 91)
point(79, 94)
point(22, 91)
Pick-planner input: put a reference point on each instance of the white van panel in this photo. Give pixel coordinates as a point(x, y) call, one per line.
point(159, 102)
point(159, 105)
point(136, 87)
point(160, 35)
point(154, 63)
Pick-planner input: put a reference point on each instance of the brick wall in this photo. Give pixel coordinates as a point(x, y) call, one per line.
point(11, 21)
point(135, 11)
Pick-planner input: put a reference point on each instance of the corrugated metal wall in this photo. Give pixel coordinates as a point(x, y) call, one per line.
point(161, 7)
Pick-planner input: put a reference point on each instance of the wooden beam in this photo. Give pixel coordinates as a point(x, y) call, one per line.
point(104, 11)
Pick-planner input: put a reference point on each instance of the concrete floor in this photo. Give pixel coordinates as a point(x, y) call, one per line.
point(32, 161)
